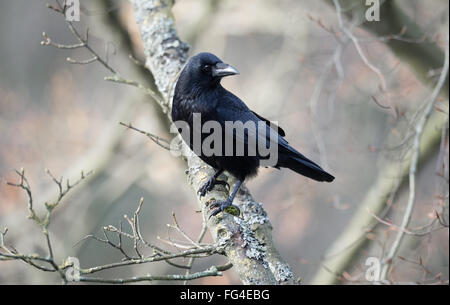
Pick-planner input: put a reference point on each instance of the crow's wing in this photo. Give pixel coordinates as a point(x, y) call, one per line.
point(271, 124)
point(232, 109)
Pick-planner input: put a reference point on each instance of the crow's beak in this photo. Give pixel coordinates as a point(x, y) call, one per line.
point(222, 69)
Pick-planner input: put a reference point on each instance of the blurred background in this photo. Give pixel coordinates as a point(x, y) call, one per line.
point(295, 68)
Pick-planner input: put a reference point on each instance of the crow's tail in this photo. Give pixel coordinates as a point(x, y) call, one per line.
point(305, 167)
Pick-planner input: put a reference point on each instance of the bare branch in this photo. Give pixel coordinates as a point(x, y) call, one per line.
point(212, 271)
point(431, 100)
point(366, 61)
point(158, 140)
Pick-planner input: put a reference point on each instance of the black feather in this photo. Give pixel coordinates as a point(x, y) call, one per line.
point(198, 90)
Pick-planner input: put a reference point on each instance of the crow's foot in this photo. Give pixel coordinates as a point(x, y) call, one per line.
point(220, 206)
point(209, 185)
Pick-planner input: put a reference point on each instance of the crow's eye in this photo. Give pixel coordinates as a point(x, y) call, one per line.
point(206, 67)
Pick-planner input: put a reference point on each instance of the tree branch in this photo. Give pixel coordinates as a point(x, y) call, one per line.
point(421, 57)
point(430, 103)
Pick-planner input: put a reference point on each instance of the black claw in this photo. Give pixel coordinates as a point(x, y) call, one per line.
point(204, 188)
point(220, 206)
point(209, 185)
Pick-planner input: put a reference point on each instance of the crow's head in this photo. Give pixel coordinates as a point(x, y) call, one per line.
point(207, 69)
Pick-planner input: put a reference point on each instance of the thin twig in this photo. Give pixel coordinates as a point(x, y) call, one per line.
point(158, 140)
point(364, 58)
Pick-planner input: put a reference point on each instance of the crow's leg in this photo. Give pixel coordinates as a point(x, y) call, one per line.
point(219, 206)
point(211, 183)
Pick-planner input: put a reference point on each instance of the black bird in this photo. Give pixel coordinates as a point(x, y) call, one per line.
point(198, 90)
